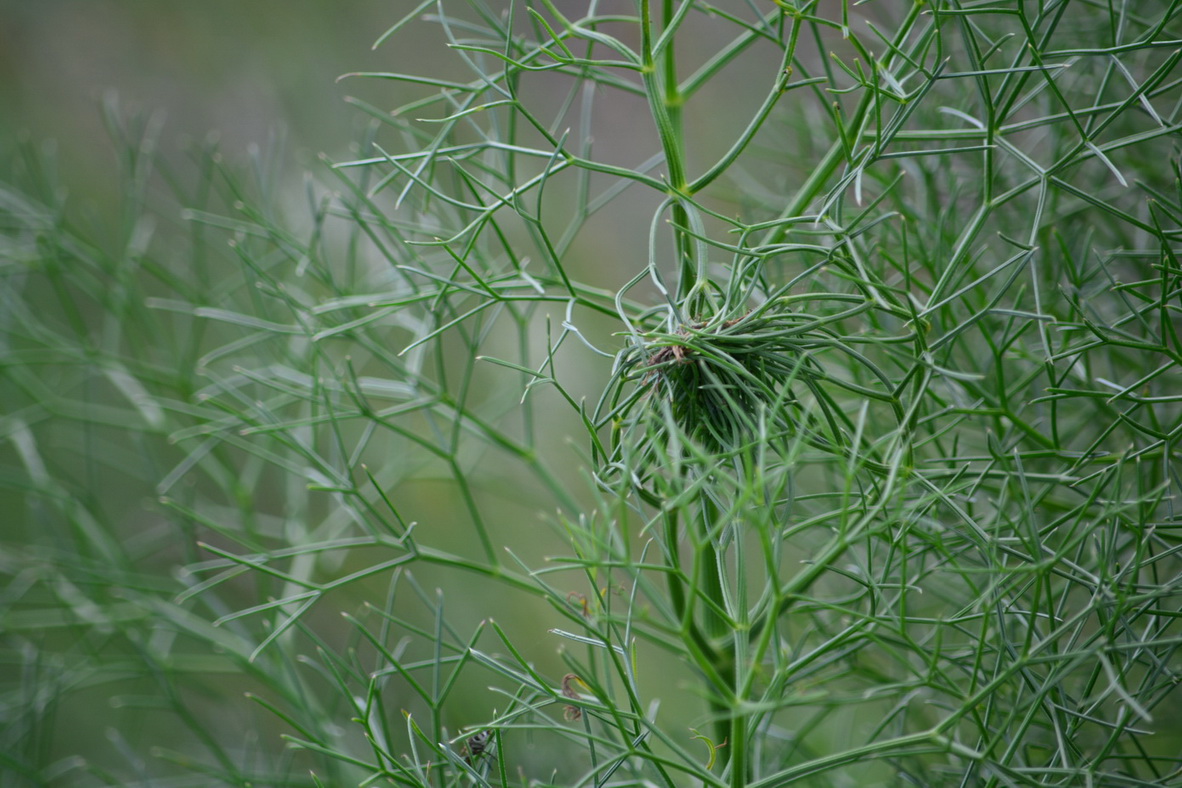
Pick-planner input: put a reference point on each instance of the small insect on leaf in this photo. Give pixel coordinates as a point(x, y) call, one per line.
point(580, 602)
point(478, 744)
point(571, 713)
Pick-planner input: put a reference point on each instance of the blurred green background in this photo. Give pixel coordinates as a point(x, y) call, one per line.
point(237, 69)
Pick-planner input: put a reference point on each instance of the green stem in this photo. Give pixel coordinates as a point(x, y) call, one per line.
point(730, 725)
point(737, 746)
point(709, 575)
point(669, 61)
point(690, 631)
point(664, 100)
point(660, 101)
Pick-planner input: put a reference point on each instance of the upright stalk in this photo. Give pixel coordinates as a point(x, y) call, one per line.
point(664, 99)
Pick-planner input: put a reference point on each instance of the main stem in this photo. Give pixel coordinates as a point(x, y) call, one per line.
point(730, 726)
point(665, 100)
